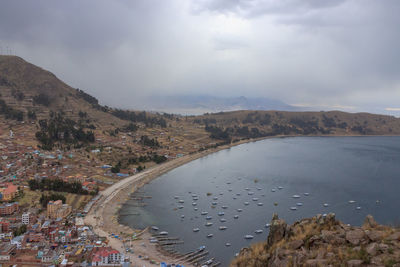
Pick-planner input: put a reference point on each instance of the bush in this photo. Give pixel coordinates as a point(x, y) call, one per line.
point(42, 99)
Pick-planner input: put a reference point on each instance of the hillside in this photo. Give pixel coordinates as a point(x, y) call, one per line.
point(252, 124)
point(324, 241)
point(28, 88)
point(49, 114)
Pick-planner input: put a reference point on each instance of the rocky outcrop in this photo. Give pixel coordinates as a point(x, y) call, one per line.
point(324, 241)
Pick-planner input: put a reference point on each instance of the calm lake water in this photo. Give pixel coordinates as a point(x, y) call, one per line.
point(333, 170)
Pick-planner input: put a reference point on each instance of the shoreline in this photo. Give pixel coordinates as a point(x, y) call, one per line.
point(103, 215)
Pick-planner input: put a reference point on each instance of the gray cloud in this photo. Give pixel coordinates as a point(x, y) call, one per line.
point(255, 8)
point(326, 53)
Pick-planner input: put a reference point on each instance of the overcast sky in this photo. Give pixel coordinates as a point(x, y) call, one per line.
point(335, 54)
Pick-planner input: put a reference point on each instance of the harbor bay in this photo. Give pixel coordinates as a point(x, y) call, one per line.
point(237, 190)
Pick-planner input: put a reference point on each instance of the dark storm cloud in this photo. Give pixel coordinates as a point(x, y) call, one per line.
point(322, 53)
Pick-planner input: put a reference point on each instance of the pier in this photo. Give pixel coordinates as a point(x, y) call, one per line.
point(196, 257)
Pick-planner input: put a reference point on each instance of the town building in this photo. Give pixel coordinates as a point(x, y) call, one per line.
point(105, 256)
point(55, 209)
point(26, 218)
point(8, 192)
point(9, 208)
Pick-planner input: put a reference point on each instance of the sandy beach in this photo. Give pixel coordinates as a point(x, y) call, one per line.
point(103, 215)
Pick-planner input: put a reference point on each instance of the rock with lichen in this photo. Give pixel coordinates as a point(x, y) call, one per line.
point(324, 241)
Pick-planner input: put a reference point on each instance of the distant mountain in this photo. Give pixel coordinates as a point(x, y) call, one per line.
point(204, 103)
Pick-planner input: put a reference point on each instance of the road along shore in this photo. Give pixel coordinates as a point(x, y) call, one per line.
point(103, 215)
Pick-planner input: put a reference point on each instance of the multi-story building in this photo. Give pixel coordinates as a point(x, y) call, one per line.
point(55, 209)
point(8, 192)
point(105, 256)
point(26, 218)
point(9, 208)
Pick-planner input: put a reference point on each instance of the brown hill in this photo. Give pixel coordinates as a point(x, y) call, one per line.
point(34, 92)
point(301, 123)
point(28, 88)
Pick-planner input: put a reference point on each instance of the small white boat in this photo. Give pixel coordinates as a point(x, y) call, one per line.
point(259, 204)
point(163, 233)
point(224, 207)
point(214, 203)
point(182, 216)
point(248, 237)
point(215, 198)
point(259, 231)
point(155, 228)
point(196, 209)
point(228, 244)
point(352, 201)
point(194, 195)
point(221, 213)
point(201, 248)
point(326, 205)
point(194, 204)
point(250, 193)
point(236, 217)
point(299, 204)
point(208, 262)
point(204, 213)
point(208, 218)
point(208, 224)
point(196, 230)
point(259, 188)
point(210, 235)
point(181, 207)
point(246, 203)
point(247, 189)
point(306, 194)
point(176, 197)
point(255, 199)
point(267, 225)
point(273, 190)
point(293, 208)
point(223, 228)
point(239, 210)
point(358, 208)
point(280, 187)
point(181, 201)
point(295, 196)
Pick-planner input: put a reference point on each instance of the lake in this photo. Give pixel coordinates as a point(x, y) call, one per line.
point(330, 170)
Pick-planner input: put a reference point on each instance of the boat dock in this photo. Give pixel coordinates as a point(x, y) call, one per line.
point(196, 257)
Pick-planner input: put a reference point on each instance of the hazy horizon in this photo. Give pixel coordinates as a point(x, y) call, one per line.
point(322, 55)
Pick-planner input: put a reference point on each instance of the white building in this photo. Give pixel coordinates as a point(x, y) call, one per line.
point(26, 218)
